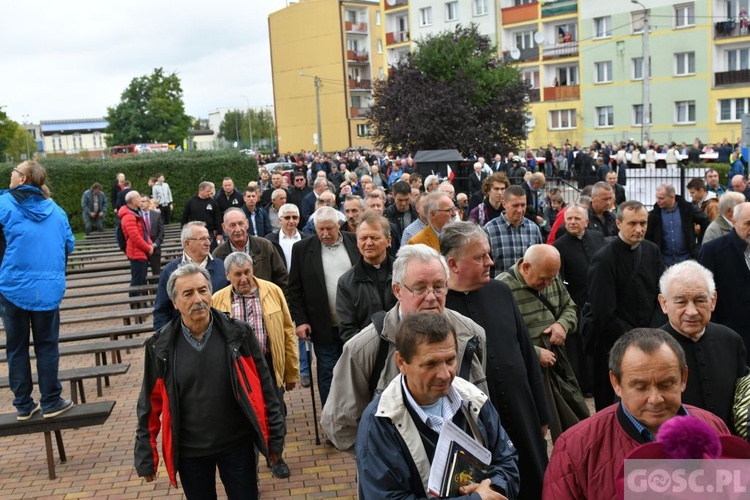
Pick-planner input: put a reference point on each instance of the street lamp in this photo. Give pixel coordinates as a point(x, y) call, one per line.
point(249, 124)
point(26, 134)
point(646, 129)
point(316, 79)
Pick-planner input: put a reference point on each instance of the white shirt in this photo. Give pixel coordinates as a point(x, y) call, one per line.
point(286, 243)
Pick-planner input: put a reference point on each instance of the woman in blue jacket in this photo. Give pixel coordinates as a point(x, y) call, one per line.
point(37, 238)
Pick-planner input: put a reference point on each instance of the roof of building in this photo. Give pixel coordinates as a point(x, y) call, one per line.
point(76, 125)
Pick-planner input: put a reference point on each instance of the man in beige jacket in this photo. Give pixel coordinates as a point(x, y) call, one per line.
point(262, 305)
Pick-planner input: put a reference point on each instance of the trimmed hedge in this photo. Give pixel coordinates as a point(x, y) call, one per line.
point(68, 178)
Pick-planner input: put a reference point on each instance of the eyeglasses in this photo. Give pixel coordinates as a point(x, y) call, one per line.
point(202, 238)
point(292, 217)
point(18, 172)
point(299, 179)
point(452, 211)
point(422, 291)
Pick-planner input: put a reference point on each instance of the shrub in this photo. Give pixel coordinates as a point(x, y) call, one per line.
point(68, 178)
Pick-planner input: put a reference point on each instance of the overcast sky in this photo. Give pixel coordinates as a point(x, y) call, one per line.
point(65, 60)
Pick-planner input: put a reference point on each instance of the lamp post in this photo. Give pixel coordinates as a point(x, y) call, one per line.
point(249, 123)
point(646, 129)
point(316, 79)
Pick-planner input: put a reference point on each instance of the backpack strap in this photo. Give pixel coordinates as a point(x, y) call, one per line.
point(471, 348)
point(372, 383)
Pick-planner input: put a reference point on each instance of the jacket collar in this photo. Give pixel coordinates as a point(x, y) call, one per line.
point(165, 338)
point(360, 274)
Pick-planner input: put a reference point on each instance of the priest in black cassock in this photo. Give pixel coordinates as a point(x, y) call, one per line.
point(514, 376)
point(715, 354)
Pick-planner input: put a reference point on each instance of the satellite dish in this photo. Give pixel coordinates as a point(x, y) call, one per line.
point(390, 3)
point(515, 53)
point(539, 37)
point(359, 79)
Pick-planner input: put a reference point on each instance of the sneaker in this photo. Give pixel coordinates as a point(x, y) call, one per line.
point(25, 415)
point(281, 469)
point(304, 380)
point(61, 407)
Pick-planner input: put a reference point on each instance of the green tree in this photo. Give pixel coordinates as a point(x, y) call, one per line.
point(451, 92)
point(234, 127)
point(7, 131)
point(21, 143)
point(150, 110)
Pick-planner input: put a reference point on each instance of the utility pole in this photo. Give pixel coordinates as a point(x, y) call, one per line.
point(316, 80)
point(646, 130)
point(249, 122)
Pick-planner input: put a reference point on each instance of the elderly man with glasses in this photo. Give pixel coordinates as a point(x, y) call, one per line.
point(439, 210)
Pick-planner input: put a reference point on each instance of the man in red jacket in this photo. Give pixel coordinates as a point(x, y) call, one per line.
point(138, 244)
point(648, 372)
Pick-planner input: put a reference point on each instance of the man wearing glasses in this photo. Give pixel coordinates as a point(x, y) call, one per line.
point(439, 210)
point(196, 244)
point(367, 365)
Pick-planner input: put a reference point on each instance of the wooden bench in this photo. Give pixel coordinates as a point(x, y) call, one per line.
point(110, 332)
point(79, 416)
point(138, 315)
point(84, 291)
point(76, 376)
point(99, 349)
point(140, 301)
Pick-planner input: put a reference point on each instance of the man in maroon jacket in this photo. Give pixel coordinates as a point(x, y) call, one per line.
point(649, 373)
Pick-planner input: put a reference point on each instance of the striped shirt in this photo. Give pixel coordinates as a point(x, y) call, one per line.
point(247, 308)
point(451, 405)
point(508, 243)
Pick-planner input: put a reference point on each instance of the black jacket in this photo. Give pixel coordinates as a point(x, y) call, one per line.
point(393, 215)
point(358, 298)
point(226, 202)
point(575, 258)
point(274, 239)
point(689, 215)
point(267, 265)
point(608, 228)
point(253, 386)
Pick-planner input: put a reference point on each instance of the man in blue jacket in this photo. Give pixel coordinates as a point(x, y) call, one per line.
point(399, 430)
point(37, 241)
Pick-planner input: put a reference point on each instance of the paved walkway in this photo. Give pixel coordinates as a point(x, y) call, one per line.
point(100, 459)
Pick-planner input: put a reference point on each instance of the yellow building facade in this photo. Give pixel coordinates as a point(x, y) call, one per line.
point(337, 47)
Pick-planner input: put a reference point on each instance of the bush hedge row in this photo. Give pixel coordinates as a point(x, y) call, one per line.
point(68, 178)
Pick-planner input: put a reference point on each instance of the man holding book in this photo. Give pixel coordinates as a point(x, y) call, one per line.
point(400, 429)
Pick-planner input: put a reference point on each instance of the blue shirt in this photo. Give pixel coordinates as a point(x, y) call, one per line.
point(674, 249)
point(642, 428)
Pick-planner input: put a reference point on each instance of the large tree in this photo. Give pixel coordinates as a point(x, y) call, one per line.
point(150, 110)
point(15, 140)
point(451, 92)
point(234, 127)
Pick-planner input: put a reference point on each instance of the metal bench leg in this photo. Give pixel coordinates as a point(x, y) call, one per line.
point(50, 457)
point(101, 359)
point(80, 388)
point(73, 391)
point(60, 447)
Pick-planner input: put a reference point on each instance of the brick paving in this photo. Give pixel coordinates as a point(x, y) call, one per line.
point(100, 459)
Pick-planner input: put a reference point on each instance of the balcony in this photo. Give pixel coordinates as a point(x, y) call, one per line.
point(359, 85)
point(396, 37)
point(531, 54)
point(534, 95)
point(394, 4)
point(740, 77)
point(520, 13)
point(730, 29)
point(559, 7)
point(357, 56)
point(562, 93)
point(358, 112)
point(352, 27)
point(565, 49)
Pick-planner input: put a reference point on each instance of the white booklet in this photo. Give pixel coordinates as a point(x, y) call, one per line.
point(450, 434)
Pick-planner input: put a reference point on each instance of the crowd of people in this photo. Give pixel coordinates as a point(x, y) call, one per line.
point(499, 310)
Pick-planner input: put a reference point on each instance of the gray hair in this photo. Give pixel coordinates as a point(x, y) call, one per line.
point(429, 180)
point(729, 200)
point(131, 195)
point(583, 209)
point(206, 184)
point(456, 236)
point(738, 209)
point(326, 214)
point(187, 230)
point(276, 193)
point(186, 270)
point(351, 197)
point(418, 252)
point(288, 208)
point(432, 201)
point(236, 259)
point(584, 202)
point(231, 210)
point(685, 272)
point(667, 188)
point(320, 181)
point(599, 187)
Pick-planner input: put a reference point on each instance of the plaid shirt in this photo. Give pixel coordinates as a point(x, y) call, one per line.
point(247, 308)
point(509, 243)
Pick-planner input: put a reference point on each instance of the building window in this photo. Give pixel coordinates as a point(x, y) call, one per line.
point(363, 130)
point(731, 110)
point(480, 7)
point(525, 40)
point(516, 3)
point(738, 59)
point(638, 68)
point(684, 15)
point(380, 46)
point(638, 114)
point(605, 116)
point(638, 19)
point(377, 18)
point(98, 142)
point(684, 63)
point(451, 11)
point(381, 74)
point(603, 27)
point(603, 72)
point(425, 16)
point(56, 142)
point(684, 112)
point(567, 75)
point(562, 119)
point(531, 76)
